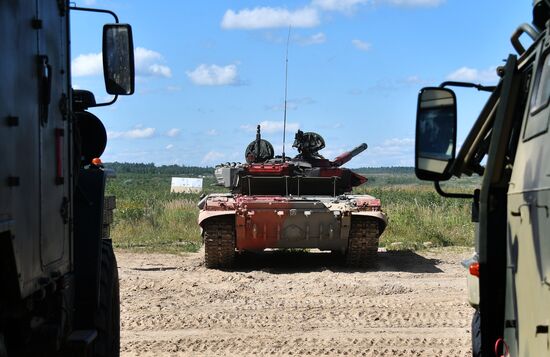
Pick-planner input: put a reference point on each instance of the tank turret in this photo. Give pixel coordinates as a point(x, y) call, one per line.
point(308, 173)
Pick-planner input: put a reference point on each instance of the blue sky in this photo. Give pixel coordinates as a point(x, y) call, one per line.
point(209, 71)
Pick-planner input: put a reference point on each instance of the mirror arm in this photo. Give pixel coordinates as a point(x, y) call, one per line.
point(94, 10)
point(450, 195)
point(105, 104)
point(468, 85)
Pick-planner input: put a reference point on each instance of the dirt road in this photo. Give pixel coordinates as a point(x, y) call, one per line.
point(299, 304)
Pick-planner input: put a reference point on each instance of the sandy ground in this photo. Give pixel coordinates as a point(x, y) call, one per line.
point(295, 303)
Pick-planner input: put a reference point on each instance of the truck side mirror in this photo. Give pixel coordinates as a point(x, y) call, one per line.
point(118, 59)
point(435, 134)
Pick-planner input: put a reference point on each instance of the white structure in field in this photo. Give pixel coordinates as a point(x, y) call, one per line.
point(186, 184)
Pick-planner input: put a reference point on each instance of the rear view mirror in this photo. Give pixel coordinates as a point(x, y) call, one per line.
point(118, 59)
point(435, 134)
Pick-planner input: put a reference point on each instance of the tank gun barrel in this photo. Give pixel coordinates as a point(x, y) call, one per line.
point(347, 156)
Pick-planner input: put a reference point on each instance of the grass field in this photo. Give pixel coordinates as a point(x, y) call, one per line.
point(150, 218)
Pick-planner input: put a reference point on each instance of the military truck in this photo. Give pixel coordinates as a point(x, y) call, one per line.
point(58, 276)
point(279, 202)
point(509, 147)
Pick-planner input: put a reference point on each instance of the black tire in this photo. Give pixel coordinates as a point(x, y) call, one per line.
point(476, 334)
point(107, 320)
point(362, 242)
point(219, 242)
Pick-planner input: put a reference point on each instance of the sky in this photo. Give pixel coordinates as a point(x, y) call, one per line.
point(208, 72)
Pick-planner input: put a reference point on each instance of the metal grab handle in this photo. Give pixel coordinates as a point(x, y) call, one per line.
point(523, 28)
point(45, 75)
point(518, 212)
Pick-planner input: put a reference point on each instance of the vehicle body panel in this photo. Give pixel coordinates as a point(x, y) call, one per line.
point(31, 198)
point(528, 298)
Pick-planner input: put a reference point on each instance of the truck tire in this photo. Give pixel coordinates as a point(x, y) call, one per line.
point(219, 242)
point(362, 242)
point(476, 334)
point(108, 314)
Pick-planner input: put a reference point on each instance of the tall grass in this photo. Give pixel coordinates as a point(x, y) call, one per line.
point(150, 218)
point(419, 217)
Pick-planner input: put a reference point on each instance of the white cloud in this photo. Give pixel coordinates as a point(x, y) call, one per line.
point(148, 63)
point(173, 132)
point(346, 6)
point(137, 132)
point(361, 45)
point(269, 17)
point(292, 104)
point(213, 75)
point(212, 158)
point(415, 3)
point(173, 89)
point(270, 127)
point(474, 75)
point(414, 80)
point(397, 151)
point(212, 132)
point(90, 64)
point(315, 39)
point(169, 146)
point(399, 142)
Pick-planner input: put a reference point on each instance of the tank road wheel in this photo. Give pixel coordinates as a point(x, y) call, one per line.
point(219, 242)
point(108, 314)
point(362, 242)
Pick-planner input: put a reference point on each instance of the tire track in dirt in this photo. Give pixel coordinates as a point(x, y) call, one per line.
point(294, 304)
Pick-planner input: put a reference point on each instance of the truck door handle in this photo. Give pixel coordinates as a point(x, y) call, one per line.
point(45, 77)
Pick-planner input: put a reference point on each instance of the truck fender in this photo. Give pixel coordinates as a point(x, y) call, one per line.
point(379, 216)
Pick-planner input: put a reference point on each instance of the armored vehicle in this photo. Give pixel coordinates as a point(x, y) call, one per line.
point(58, 276)
point(277, 202)
point(509, 147)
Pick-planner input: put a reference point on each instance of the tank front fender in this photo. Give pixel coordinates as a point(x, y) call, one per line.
point(204, 215)
point(379, 216)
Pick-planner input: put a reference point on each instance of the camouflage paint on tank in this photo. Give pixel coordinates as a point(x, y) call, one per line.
point(292, 222)
point(280, 202)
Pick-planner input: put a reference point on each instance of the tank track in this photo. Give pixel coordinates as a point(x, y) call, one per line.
point(362, 243)
point(219, 242)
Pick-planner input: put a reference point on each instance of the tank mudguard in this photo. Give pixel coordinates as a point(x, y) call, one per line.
point(380, 217)
point(204, 215)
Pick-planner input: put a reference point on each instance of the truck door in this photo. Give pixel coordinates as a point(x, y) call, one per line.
point(19, 142)
point(529, 222)
point(53, 118)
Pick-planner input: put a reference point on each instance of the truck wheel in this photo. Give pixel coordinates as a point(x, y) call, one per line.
point(219, 242)
point(362, 242)
point(108, 314)
point(476, 334)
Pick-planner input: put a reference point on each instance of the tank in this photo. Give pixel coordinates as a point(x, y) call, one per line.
point(279, 202)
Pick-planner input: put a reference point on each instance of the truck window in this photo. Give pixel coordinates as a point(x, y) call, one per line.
point(537, 122)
